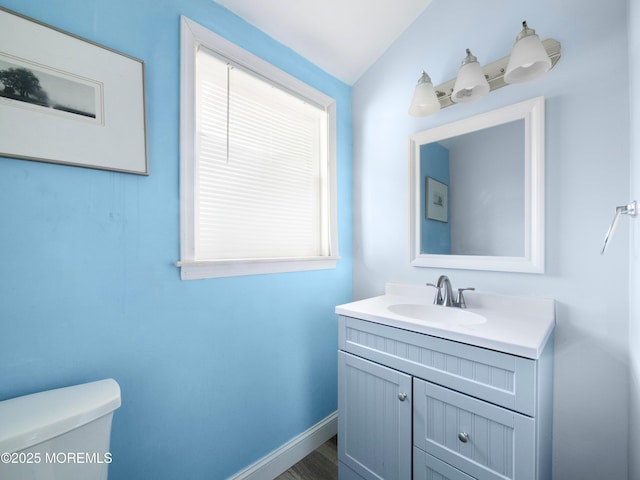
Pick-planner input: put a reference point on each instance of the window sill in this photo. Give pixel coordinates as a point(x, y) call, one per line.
point(195, 270)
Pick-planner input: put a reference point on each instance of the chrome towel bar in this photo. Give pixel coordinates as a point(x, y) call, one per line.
point(630, 209)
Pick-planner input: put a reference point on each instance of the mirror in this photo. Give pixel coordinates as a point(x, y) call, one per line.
point(477, 192)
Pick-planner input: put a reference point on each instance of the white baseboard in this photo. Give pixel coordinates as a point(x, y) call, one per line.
point(283, 458)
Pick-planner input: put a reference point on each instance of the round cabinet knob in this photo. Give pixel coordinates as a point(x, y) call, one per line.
point(463, 437)
point(402, 397)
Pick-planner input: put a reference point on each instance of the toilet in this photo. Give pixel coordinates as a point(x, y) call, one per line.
point(60, 434)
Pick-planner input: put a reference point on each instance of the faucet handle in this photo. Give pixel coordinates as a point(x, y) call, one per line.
point(438, 298)
point(461, 303)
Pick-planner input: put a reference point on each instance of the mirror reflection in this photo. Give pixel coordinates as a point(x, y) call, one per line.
point(477, 191)
point(472, 193)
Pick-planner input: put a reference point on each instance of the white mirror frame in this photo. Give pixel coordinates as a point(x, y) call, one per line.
point(532, 111)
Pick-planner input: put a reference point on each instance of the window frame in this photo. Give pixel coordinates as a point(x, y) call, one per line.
point(193, 36)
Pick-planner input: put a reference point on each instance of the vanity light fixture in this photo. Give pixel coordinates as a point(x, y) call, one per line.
point(471, 83)
point(425, 101)
point(529, 59)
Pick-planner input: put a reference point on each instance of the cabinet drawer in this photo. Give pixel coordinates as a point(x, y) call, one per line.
point(428, 467)
point(481, 439)
point(497, 377)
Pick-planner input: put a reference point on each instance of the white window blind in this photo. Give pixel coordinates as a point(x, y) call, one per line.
point(257, 164)
point(261, 161)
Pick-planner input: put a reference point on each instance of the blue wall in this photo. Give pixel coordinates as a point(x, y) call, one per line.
point(435, 236)
point(214, 373)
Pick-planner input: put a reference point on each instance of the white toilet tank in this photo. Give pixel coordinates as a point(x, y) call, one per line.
point(60, 434)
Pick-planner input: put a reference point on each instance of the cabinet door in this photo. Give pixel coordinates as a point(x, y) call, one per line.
point(374, 421)
point(483, 440)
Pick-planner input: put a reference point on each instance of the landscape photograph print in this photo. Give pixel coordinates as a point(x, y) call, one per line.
point(54, 91)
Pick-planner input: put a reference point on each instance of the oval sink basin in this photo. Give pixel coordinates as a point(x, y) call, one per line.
point(437, 314)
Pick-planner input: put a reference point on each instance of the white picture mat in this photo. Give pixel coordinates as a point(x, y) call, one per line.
point(117, 143)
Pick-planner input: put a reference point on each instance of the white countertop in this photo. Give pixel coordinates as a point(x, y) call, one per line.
point(518, 325)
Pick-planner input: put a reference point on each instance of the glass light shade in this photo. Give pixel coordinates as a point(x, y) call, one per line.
point(471, 83)
point(425, 101)
point(529, 59)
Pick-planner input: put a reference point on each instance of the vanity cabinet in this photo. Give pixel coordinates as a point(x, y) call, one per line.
point(412, 405)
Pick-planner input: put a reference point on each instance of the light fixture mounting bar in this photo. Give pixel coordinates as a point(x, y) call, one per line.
point(494, 73)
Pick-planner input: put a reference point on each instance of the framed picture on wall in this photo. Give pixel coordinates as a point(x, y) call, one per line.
point(437, 200)
point(64, 99)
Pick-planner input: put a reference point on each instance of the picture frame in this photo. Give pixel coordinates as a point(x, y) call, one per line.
point(436, 200)
point(68, 100)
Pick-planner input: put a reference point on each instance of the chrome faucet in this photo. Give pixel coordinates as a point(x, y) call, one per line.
point(444, 293)
point(447, 294)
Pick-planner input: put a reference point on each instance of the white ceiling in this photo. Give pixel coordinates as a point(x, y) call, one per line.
point(343, 37)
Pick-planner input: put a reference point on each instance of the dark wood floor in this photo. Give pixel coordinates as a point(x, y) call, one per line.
point(321, 464)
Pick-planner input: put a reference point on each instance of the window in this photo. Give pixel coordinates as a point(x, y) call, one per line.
point(257, 164)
